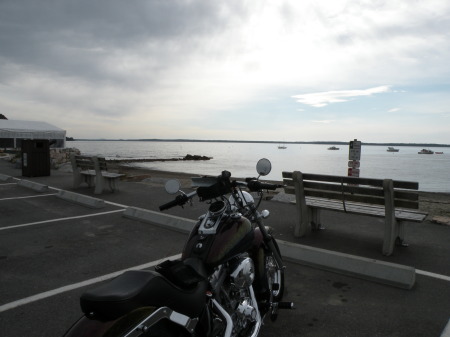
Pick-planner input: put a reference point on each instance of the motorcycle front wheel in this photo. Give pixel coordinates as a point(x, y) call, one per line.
point(270, 279)
point(275, 277)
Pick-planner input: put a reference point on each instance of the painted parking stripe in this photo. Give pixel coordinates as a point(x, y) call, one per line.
point(438, 276)
point(106, 202)
point(59, 189)
point(70, 287)
point(61, 219)
point(30, 196)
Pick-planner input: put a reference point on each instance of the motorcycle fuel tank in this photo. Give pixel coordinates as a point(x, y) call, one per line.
point(218, 237)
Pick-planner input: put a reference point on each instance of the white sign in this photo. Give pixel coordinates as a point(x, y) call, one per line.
point(353, 172)
point(353, 163)
point(354, 150)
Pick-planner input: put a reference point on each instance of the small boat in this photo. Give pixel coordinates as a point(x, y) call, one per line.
point(282, 147)
point(425, 151)
point(333, 148)
point(391, 149)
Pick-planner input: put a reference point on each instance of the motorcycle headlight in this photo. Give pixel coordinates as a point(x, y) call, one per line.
point(244, 196)
point(244, 273)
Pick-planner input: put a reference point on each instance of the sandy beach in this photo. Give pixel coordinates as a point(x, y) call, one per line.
point(436, 204)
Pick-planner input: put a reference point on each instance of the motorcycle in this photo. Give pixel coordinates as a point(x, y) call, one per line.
point(229, 278)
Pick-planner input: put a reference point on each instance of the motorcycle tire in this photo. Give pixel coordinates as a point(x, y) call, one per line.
point(277, 277)
point(265, 271)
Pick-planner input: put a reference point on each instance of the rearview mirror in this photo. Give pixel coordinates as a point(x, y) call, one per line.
point(172, 186)
point(263, 167)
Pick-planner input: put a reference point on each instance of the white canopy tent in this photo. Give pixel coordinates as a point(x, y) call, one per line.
point(13, 130)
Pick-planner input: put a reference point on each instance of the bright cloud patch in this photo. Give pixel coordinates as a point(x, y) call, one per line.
point(326, 121)
point(321, 99)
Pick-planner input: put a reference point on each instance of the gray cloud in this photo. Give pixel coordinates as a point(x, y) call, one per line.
point(88, 38)
point(135, 66)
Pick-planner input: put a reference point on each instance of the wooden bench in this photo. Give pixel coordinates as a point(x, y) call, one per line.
point(396, 201)
point(93, 171)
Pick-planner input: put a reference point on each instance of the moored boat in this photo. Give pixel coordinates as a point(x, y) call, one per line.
point(425, 151)
point(333, 148)
point(391, 149)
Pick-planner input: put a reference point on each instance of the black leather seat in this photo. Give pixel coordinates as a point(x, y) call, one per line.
point(135, 289)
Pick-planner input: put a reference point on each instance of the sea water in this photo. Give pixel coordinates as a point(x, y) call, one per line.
point(431, 171)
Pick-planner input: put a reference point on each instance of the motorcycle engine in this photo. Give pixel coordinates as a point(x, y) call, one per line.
point(238, 298)
point(244, 273)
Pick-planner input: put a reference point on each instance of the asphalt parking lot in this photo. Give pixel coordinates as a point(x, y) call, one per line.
point(51, 250)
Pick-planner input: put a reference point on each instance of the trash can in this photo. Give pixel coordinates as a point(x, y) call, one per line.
point(35, 157)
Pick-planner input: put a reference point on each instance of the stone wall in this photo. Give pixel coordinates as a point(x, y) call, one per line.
point(59, 157)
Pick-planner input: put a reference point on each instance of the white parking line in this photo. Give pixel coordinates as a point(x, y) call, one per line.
point(106, 202)
point(30, 196)
point(438, 276)
point(70, 287)
point(60, 219)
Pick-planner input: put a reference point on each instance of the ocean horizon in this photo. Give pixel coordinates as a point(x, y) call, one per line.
point(320, 142)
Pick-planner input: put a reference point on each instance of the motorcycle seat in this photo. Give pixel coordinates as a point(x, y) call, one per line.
point(134, 289)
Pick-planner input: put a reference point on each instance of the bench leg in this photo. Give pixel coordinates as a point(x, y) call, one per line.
point(316, 222)
point(390, 223)
point(89, 180)
point(77, 179)
point(113, 185)
point(390, 235)
point(400, 240)
point(99, 184)
point(394, 235)
point(303, 221)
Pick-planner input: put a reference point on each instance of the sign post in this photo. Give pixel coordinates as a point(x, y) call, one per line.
point(354, 156)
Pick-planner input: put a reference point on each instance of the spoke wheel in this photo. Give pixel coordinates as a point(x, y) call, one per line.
point(275, 279)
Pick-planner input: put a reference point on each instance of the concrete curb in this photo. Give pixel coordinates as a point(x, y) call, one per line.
point(5, 178)
point(81, 199)
point(369, 269)
point(176, 223)
point(360, 267)
point(34, 186)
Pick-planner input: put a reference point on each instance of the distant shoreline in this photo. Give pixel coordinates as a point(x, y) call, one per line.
point(425, 145)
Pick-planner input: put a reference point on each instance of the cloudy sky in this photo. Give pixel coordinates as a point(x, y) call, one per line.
point(305, 70)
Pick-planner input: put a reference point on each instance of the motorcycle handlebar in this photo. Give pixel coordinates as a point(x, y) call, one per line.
point(180, 200)
point(221, 187)
point(255, 185)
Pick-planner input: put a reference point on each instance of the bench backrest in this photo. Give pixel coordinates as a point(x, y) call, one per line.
point(362, 190)
point(88, 163)
point(102, 163)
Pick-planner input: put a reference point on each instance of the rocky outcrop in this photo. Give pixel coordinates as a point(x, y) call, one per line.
point(196, 157)
point(134, 160)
